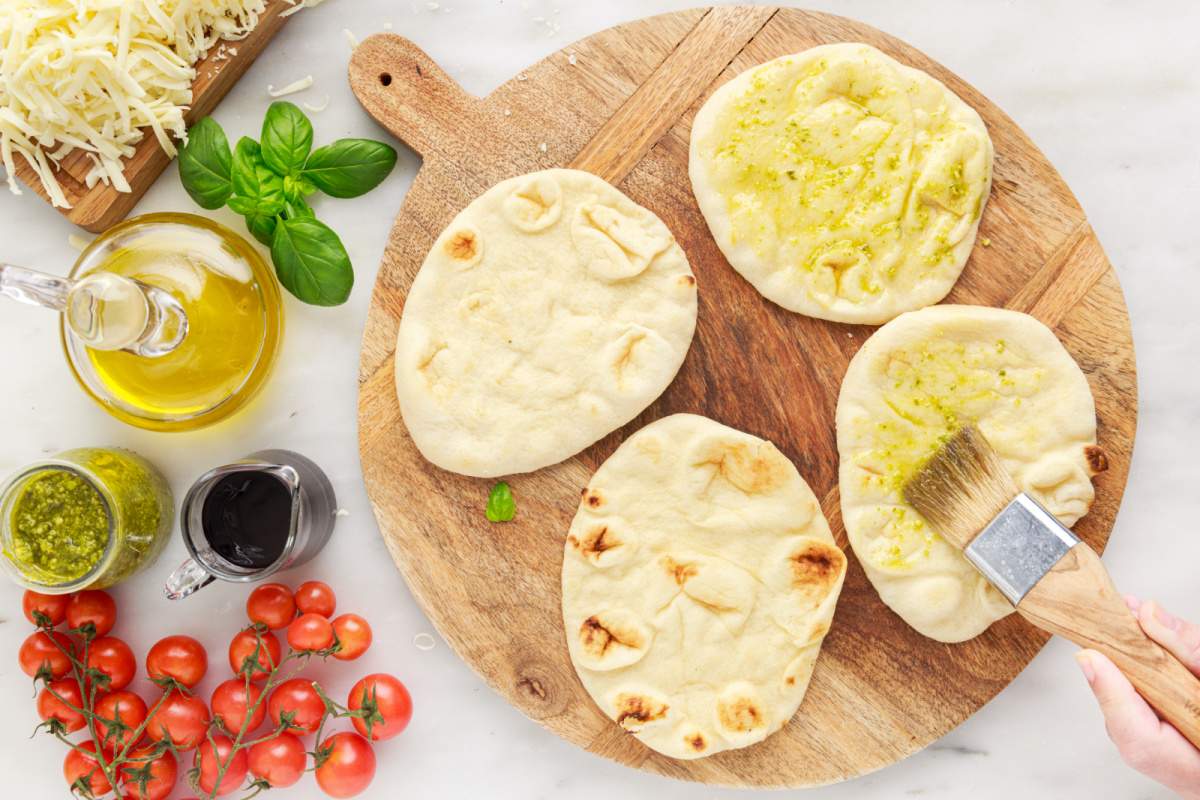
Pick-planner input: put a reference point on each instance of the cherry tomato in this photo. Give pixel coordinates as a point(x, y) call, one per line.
point(271, 604)
point(50, 706)
point(39, 650)
point(298, 698)
point(79, 766)
point(113, 657)
point(387, 701)
point(210, 760)
point(279, 761)
point(159, 781)
point(181, 658)
point(51, 606)
point(314, 597)
point(231, 703)
point(245, 646)
point(180, 719)
point(349, 767)
point(94, 606)
point(353, 636)
point(122, 706)
point(310, 632)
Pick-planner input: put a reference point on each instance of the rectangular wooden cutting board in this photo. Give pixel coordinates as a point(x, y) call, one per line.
point(102, 206)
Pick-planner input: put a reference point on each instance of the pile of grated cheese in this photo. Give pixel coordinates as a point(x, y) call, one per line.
point(91, 74)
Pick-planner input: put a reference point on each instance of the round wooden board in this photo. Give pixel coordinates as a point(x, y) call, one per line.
point(622, 107)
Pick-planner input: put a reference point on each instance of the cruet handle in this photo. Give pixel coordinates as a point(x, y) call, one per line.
point(187, 578)
point(34, 288)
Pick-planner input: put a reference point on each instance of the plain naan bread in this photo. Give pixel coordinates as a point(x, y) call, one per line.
point(841, 183)
point(698, 582)
point(550, 312)
point(914, 382)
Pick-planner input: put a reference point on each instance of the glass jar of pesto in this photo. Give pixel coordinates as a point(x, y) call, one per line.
point(83, 519)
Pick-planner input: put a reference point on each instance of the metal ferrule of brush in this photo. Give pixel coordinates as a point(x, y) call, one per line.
point(1019, 547)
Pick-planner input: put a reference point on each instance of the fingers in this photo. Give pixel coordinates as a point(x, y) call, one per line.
point(1147, 744)
point(1180, 637)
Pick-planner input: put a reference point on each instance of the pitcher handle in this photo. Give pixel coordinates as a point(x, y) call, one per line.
point(187, 578)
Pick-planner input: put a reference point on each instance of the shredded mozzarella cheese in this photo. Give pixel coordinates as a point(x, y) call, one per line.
point(291, 88)
point(90, 75)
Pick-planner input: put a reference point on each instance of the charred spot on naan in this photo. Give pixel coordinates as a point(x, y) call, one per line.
point(816, 568)
point(612, 639)
point(592, 498)
point(679, 571)
point(636, 710)
point(757, 468)
point(1097, 459)
point(464, 246)
point(740, 714)
point(603, 544)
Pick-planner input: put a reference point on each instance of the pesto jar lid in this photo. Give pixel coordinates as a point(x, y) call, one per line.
point(85, 518)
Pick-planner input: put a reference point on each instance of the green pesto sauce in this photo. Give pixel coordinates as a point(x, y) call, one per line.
point(59, 526)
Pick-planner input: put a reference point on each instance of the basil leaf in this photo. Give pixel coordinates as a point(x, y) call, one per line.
point(287, 138)
point(260, 188)
point(349, 167)
point(296, 188)
point(501, 507)
point(262, 227)
point(299, 208)
point(205, 164)
point(311, 262)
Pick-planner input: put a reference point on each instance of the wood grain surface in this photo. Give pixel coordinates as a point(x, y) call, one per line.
point(621, 103)
point(100, 207)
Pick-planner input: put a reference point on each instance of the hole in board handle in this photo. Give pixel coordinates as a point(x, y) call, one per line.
point(385, 79)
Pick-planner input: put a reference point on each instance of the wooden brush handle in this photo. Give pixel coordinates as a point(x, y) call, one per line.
point(1077, 599)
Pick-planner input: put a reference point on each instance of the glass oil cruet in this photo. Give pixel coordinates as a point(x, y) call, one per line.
point(105, 310)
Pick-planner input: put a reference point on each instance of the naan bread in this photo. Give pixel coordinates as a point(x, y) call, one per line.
point(699, 580)
point(841, 183)
point(914, 382)
point(550, 312)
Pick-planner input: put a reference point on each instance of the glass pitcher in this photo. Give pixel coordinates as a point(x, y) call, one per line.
point(294, 507)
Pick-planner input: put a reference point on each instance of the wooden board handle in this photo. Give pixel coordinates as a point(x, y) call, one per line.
point(1077, 599)
point(410, 95)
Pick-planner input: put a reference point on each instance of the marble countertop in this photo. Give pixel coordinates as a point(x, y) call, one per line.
point(1107, 90)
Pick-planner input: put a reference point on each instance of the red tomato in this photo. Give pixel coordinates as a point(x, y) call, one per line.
point(51, 705)
point(353, 636)
point(271, 604)
point(279, 761)
point(51, 606)
point(310, 632)
point(210, 760)
point(180, 658)
point(125, 707)
point(231, 703)
point(348, 767)
point(113, 657)
point(298, 698)
point(181, 719)
point(314, 597)
point(245, 647)
point(93, 606)
point(79, 766)
point(388, 704)
point(39, 651)
point(155, 784)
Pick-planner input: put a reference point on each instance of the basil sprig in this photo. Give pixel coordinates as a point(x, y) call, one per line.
point(268, 181)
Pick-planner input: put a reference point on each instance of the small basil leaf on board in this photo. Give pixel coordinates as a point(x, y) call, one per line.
point(254, 182)
point(501, 507)
point(287, 138)
point(349, 167)
point(311, 262)
point(205, 164)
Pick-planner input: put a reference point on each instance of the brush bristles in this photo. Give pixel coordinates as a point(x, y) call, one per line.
point(962, 488)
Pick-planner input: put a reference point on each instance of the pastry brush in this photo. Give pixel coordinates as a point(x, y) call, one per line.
point(1055, 581)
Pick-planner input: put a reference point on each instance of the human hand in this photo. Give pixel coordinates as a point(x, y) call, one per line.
point(1146, 743)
